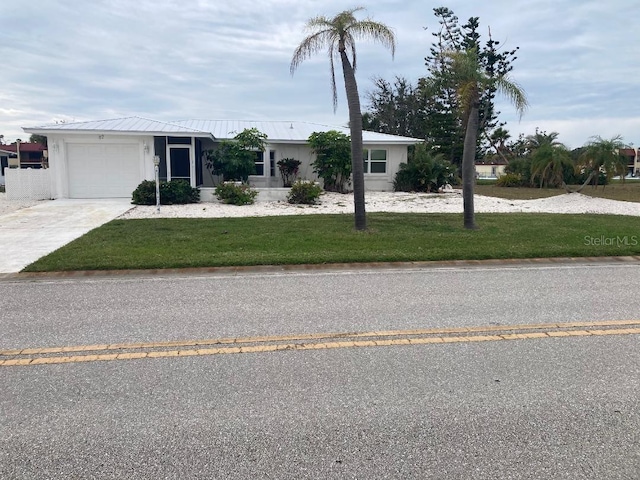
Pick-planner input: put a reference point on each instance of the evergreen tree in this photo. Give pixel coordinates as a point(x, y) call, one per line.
point(451, 37)
point(430, 109)
point(395, 108)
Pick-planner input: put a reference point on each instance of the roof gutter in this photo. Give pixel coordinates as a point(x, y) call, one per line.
point(63, 131)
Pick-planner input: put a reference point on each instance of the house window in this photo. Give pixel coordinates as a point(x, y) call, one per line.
point(259, 163)
point(375, 161)
point(179, 140)
point(272, 162)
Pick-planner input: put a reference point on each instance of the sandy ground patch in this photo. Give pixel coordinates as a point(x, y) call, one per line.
point(398, 202)
point(394, 202)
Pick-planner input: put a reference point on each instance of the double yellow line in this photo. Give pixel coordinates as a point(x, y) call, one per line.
point(313, 341)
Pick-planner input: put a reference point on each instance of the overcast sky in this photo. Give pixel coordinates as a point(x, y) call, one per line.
point(70, 60)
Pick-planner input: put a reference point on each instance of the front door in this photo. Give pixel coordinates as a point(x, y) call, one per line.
point(180, 160)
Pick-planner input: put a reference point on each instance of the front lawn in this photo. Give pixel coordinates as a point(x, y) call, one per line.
point(176, 243)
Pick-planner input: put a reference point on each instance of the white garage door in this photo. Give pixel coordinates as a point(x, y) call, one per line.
point(103, 170)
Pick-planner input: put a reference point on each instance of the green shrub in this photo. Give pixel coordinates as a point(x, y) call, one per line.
point(404, 180)
point(236, 194)
point(522, 168)
point(235, 159)
point(231, 161)
point(174, 192)
point(288, 170)
point(178, 192)
point(511, 180)
point(425, 172)
point(333, 159)
point(145, 193)
point(304, 192)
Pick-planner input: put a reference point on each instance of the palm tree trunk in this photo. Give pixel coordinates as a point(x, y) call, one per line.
point(469, 167)
point(355, 126)
point(578, 190)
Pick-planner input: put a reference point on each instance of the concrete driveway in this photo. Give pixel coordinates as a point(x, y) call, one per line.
point(30, 233)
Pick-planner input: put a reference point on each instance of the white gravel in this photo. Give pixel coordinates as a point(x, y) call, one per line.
point(394, 202)
point(376, 202)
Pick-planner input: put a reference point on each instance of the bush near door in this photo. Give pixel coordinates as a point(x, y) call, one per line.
point(174, 192)
point(288, 170)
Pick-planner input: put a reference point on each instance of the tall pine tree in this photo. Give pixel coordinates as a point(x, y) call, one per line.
point(429, 109)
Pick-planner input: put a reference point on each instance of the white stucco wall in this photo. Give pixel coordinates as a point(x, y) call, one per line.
point(297, 151)
point(396, 154)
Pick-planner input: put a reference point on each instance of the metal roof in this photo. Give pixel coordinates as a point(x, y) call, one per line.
point(284, 131)
point(276, 131)
point(127, 125)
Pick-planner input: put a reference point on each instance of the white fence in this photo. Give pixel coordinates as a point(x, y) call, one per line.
point(27, 184)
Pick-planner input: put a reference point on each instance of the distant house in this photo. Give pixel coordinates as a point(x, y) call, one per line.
point(29, 155)
point(23, 155)
point(109, 158)
point(633, 160)
point(490, 170)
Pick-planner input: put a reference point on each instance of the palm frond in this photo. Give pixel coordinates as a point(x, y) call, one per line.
point(514, 93)
point(334, 89)
point(319, 22)
point(376, 31)
point(337, 33)
point(470, 79)
point(311, 45)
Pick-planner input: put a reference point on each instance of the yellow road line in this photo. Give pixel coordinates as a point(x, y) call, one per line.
point(435, 336)
point(315, 336)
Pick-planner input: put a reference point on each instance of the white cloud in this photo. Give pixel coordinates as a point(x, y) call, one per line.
point(575, 133)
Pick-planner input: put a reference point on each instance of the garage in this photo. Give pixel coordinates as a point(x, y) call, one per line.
point(103, 170)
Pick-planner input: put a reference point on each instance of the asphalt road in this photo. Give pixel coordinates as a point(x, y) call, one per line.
point(535, 408)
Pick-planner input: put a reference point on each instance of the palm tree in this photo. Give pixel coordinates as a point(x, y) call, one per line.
point(499, 137)
point(338, 36)
point(541, 138)
point(603, 155)
point(498, 140)
point(549, 163)
point(471, 80)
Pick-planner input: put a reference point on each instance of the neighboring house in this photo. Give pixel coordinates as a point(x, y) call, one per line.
point(25, 155)
point(30, 155)
point(109, 158)
point(490, 170)
point(633, 160)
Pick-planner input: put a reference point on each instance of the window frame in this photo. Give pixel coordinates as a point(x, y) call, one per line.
point(367, 160)
point(259, 162)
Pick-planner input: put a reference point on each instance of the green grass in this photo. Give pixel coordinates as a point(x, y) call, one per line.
point(628, 191)
point(175, 243)
point(486, 181)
